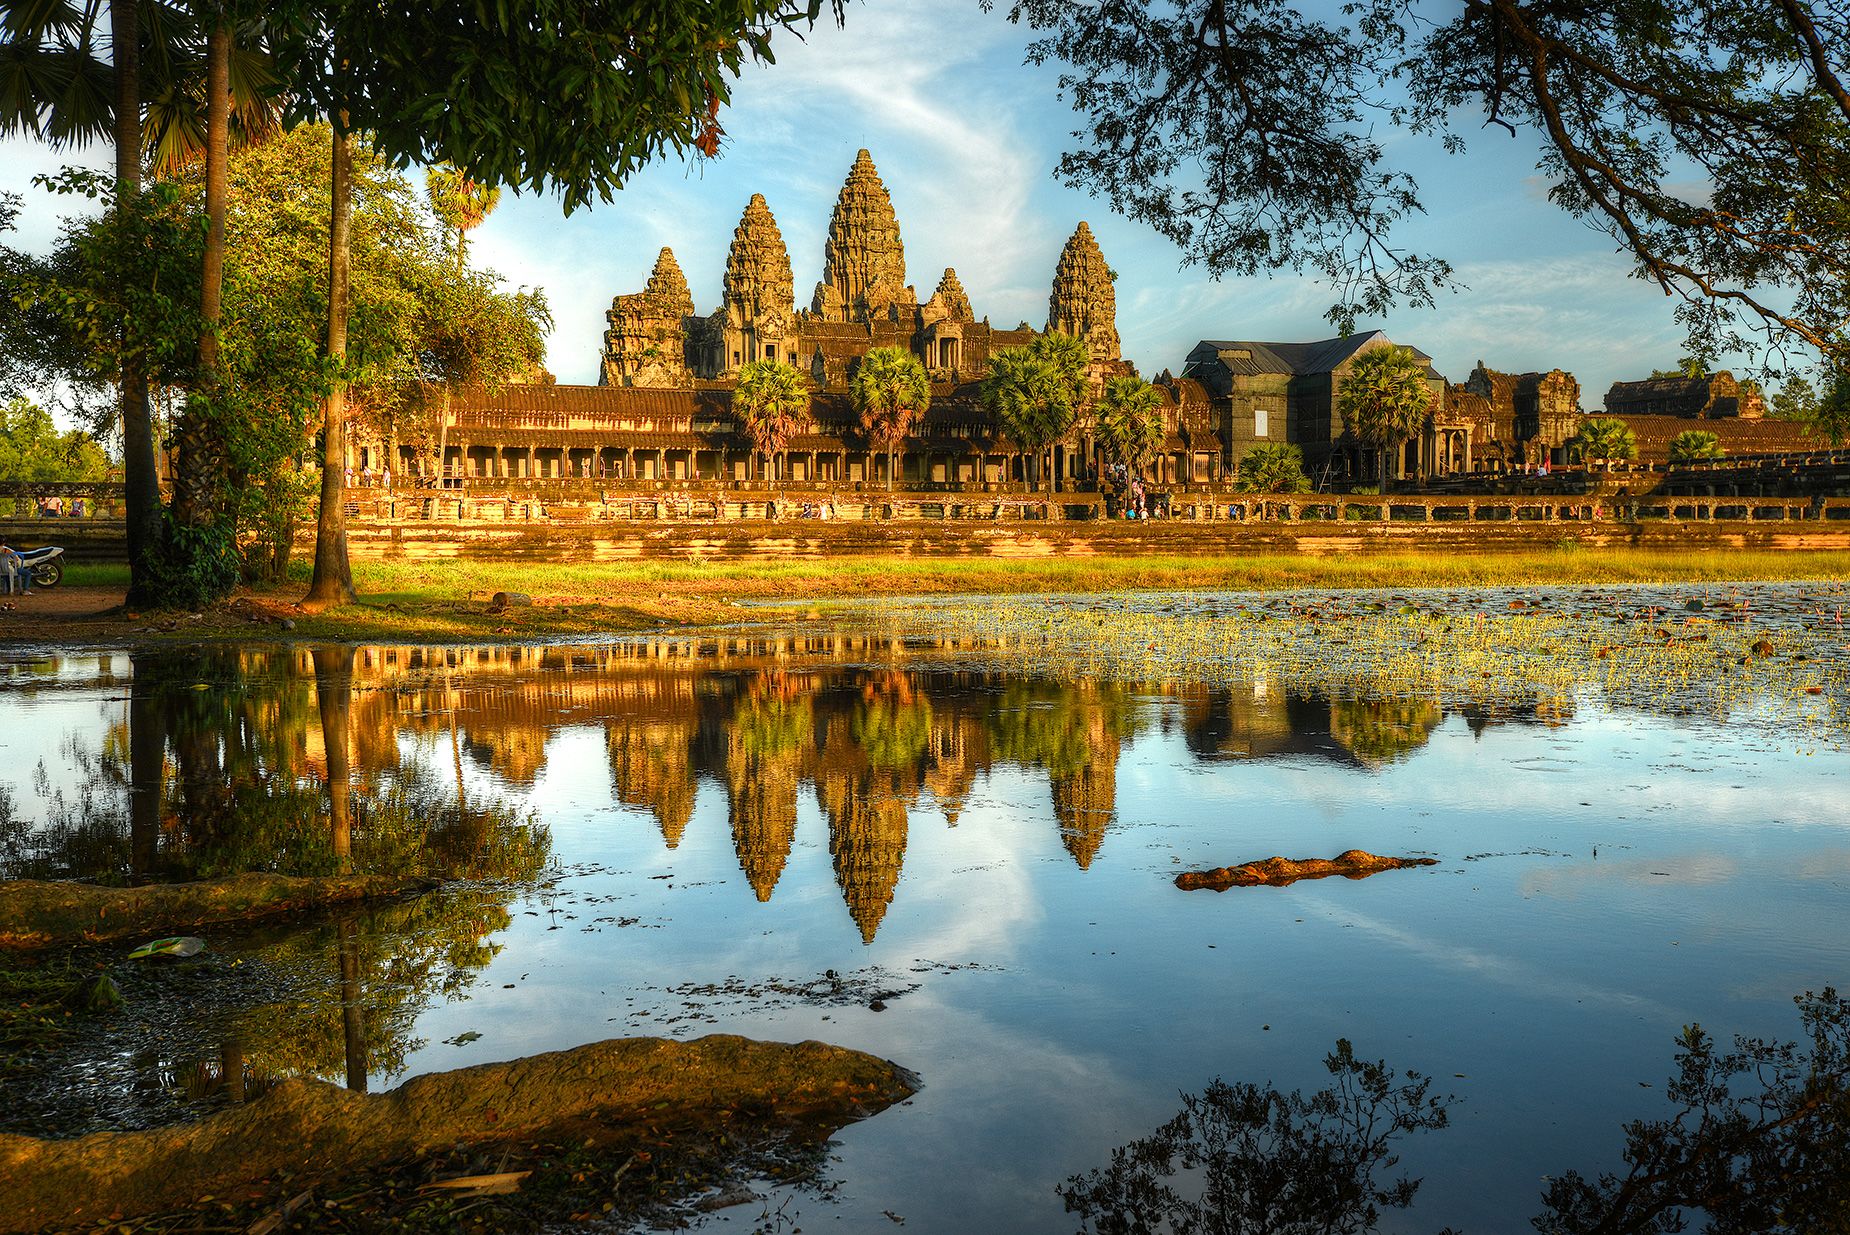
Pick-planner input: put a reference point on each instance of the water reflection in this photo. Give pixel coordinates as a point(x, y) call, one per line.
point(339, 999)
point(1756, 1139)
point(331, 758)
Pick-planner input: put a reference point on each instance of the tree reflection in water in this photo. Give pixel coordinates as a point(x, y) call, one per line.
point(1757, 1143)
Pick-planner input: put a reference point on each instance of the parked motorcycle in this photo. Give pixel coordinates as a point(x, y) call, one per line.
point(46, 565)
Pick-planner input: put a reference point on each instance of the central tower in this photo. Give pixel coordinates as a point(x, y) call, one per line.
point(864, 262)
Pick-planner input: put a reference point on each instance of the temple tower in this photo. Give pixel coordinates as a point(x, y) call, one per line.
point(864, 263)
point(1083, 303)
point(951, 297)
point(757, 317)
point(646, 344)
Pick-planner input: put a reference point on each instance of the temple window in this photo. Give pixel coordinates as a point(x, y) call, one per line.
point(1260, 422)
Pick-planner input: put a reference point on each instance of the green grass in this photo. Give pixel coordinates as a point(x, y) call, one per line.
point(95, 574)
point(630, 581)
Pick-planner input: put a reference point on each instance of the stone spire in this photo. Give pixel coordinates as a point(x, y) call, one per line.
point(646, 344)
point(759, 286)
point(668, 286)
point(951, 296)
point(760, 303)
point(864, 267)
point(1083, 303)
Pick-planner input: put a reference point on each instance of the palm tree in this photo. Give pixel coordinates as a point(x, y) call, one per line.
point(1608, 439)
point(772, 403)
point(1384, 400)
point(890, 391)
point(1036, 391)
point(1275, 467)
point(55, 87)
point(460, 204)
point(1130, 422)
point(1693, 445)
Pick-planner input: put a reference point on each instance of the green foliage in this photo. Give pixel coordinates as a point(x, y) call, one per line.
point(891, 391)
point(1687, 366)
point(1058, 725)
point(1131, 425)
point(197, 564)
point(1274, 467)
point(772, 403)
point(771, 724)
point(460, 204)
point(31, 448)
point(122, 288)
point(1797, 399)
point(1692, 445)
point(1607, 439)
point(486, 87)
point(1385, 399)
point(1830, 418)
point(1707, 141)
point(1036, 392)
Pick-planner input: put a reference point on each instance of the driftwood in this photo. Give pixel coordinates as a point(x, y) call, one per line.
point(508, 600)
point(34, 913)
point(1277, 872)
point(312, 1128)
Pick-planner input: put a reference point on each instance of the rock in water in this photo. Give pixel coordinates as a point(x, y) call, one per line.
point(1277, 872)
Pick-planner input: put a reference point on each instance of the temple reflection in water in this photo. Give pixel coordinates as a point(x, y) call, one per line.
point(883, 734)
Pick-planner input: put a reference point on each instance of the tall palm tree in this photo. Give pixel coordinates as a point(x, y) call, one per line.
point(772, 403)
point(1130, 422)
point(460, 204)
point(1385, 399)
point(891, 391)
point(1037, 391)
point(57, 87)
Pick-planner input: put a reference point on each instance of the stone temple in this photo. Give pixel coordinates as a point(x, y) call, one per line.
point(657, 339)
point(661, 413)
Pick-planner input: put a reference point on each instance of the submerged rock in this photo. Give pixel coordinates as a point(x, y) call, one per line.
point(1277, 872)
point(311, 1129)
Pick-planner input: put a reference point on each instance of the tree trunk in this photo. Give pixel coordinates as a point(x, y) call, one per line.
point(332, 583)
point(140, 476)
point(352, 1015)
point(443, 434)
point(333, 698)
point(147, 758)
point(199, 481)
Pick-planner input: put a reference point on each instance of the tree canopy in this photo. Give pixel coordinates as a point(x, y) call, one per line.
point(1694, 445)
point(33, 448)
point(891, 391)
point(1709, 140)
point(1385, 398)
point(1037, 391)
point(1130, 422)
point(772, 401)
point(1273, 467)
point(1608, 439)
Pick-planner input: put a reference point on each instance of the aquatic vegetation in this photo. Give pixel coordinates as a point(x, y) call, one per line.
point(1390, 662)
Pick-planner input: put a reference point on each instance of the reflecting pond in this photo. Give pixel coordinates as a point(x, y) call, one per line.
point(958, 850)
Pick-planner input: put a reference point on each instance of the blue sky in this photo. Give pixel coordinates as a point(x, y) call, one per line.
point(966, 138)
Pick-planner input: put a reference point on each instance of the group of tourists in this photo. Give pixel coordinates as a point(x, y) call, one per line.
point(366, 477)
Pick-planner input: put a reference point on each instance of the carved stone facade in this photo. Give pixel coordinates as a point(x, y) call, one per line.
point(646, 344)
point(1714, 397)
point(862, 302)
point(1534, 413)
point(864, 262)
point(1083, 303)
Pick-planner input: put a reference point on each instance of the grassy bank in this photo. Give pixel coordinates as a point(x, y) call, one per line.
point(449, 599)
